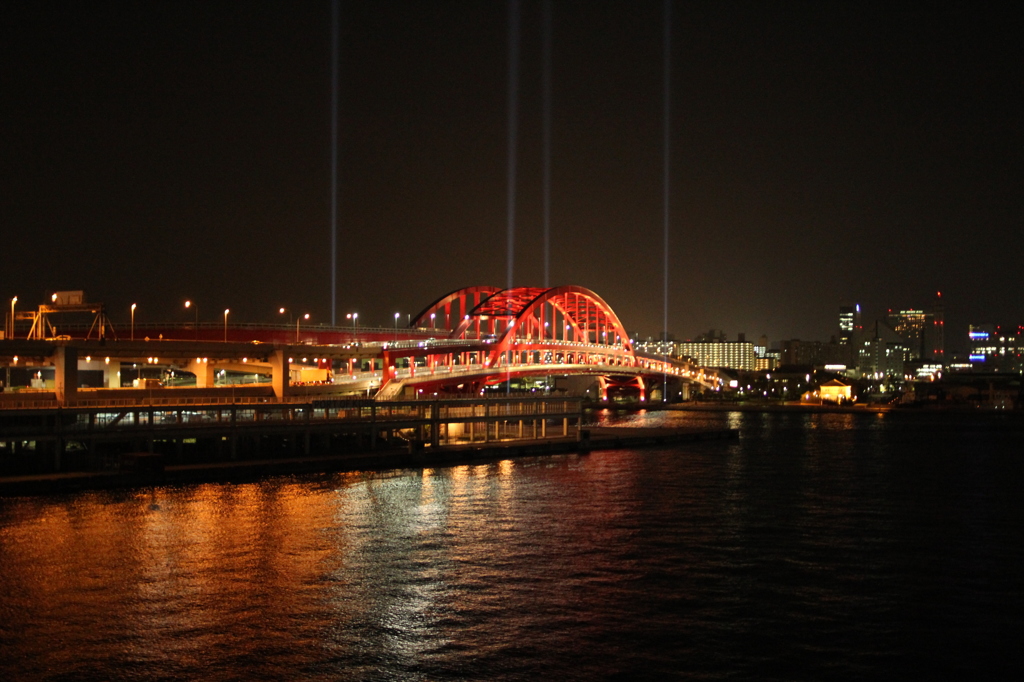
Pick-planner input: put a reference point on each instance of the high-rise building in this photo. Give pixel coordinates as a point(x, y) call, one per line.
point(849, 333)
point(937, 338)
point(912, 326)
point(882, 356)
point(849, 323)
point(922, 331)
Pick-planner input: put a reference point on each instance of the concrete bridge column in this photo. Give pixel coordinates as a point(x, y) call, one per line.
point(65, 374)
point(112, 375)
point(204, 372)
point(279, 369)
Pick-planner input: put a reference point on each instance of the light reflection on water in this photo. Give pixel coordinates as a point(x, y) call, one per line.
point(816, 546)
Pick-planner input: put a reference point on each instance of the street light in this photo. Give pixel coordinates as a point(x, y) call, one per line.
point(297, 321)
point(133, 321)
point(195, 307)
point(226, 311)
point(13, 301)
point(432, 321)
point(354, 317)
point(396, 326)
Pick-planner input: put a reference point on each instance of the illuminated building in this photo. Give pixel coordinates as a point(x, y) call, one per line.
point(730, 354)
point(835, 391)
point(765, 359)
point(994, 348)
point(911, 326)
point(882, 356)
point(849, 332)
point(658, 347)
point(923, 332)
point(849, 322)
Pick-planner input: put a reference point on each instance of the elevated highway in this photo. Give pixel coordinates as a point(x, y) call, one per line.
point(461, 343)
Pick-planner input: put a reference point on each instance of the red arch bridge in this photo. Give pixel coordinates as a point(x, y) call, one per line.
point(461, 343)
point(495, 335)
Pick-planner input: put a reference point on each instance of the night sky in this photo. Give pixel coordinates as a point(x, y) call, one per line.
point(821, 154)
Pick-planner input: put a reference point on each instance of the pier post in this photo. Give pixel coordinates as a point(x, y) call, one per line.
point(306, 440)
point(65, 374)
point(435, 425)
point(373, 426)
point(279, 369)
point(58, 446)
point(234, 434)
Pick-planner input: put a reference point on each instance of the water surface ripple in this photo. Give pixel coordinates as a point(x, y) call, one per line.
point(817, 546)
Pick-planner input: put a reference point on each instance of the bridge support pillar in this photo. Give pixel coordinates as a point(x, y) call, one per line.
point(435, 425)
point(112, 374)
point(204, 372)
point(279, 369)
point(65, 374)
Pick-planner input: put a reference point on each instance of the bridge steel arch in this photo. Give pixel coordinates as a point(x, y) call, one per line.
point(452, 308)
point(527, 330)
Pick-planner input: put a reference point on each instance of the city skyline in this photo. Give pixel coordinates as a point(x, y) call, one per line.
point(820, 155)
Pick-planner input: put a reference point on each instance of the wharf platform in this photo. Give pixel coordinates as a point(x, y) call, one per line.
point(579, 441)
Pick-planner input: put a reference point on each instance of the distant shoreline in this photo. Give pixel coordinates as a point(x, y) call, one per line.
point(844, 409)
point(801, 407)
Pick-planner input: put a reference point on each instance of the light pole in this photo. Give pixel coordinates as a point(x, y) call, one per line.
point(432, 321)
point(13, 301)
point(195, 307)
point(226, 311)
point(396, 326)
point(297, 321)
point(133, 321)
point(354, 317)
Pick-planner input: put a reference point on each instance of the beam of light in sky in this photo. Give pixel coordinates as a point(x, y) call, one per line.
point(334, 160)
point(668, 110)
point(547, 142)
point(513, 123)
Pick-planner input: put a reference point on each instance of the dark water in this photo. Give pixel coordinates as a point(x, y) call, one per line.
point(815, 547)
